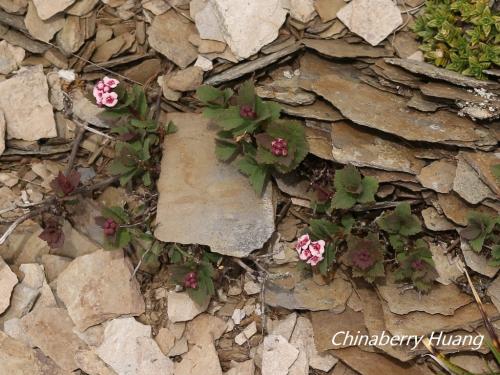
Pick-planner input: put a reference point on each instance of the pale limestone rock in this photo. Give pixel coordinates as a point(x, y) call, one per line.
point(26, 292)
point(48, 8)
point(2, 132)
point(156, 7)
point(446, 265)
point(165, 340)
point(54, 265)
point(201, 359)
point(129, 349)
point(81, 7)
point(198, 191)
point(14, 6)
point(43, 30)
point(18, 358)
point(373, 20)
point(438, 176)
point(205, 328)
point(182, 308)
point(72, 35)
point(248, 26)
point(303, 340)
point(51, 330)
point(494, 292)
point(15, 329)
point(251, 287)
point(283, 327)
point(75, 243)
point(242, 368)
point(24, 102)
point(11, 57)
point(302, 10)
point(8, 281)
point(89, 362)
point(169, 34)
point(468, 185)
point(185, 80)
point(97, 287)
point(88, 111)
point(278, 355)
point(180, 347)
point(477, 262)
point(205, 64)
point(205, 17)
point(436, 222)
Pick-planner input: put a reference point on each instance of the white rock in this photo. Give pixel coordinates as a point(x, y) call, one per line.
point(72, 35)
point(201, 359)
point(8, 281)
point(373, 20)
point(278, 355)
point(2, 133)
point(242, 368)
point(87, 111)
point(238, 315)
point(205, 64)
point(11, 57)
point(205, 17)
point(14, 328)
point(251, 287)
point(302, 10)
point(283, 327)
point(48, 8)
point(446, 265)
point(26, 292)
point(468, 185)
point(182, 308)
point(156, 7)
point(129, 349)
point(25, 104)
point(303, 339)
point(40, 29)
point(246, 26)
point(248, 332)
point(90, 363)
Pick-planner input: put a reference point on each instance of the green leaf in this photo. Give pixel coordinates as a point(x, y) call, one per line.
point(400, 221)
point(146, 179)
point(370, 187)
point(208, 94)
point(256, 173)
point(226, 118)
point(246, 94)
point(348, 179)
point(322, 229)
point(118, 214)
point(123, 237)
point(343, 200)
point(225, 150)
point(170, 128)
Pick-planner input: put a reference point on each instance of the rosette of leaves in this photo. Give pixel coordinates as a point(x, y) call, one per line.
point(332, 234)
point(352, 188)
point(52, 232)
point(122, 235)
point(203, 264)
point(460, 35)
point(400, 224)
point(365, 255)
point(480, 227)
point(248, 126)
point(138, 136)
point(417, 266)
point(64, 185)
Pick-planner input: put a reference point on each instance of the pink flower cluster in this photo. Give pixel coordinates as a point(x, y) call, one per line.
point(279, 147)
point(103, 94)
point(310, 251)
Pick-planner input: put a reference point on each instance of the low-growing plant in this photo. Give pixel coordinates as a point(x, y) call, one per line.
point(365, 255)
point(195, 271)
point(138, 135)
point(479, 228)
point(460, 35)
point(417, 266)
point(400, 224)
point(252, 133)
point(318, 246)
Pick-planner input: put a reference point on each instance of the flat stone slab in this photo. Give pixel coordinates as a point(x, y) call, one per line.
point(205, 201)
point(97, 287)
point(24, 100)
point(8, 280)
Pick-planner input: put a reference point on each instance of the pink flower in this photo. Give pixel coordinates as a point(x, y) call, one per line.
point(303, 242)
point(110, 82)
point(109, 99)
point(314, 260)
point(97, 92)
point(304, 254)
point(100, 85)
point(317, 248)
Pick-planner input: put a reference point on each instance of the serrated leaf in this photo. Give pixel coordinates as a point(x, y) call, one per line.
point(343, 200)
point(369, 189)
point(348, 179)
point(208, 94)
point(225, 150)
point(246, 94)
point(170, 128)
point(322, 229)
point(256, 173)
point(123, 237)
point(226, 118)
